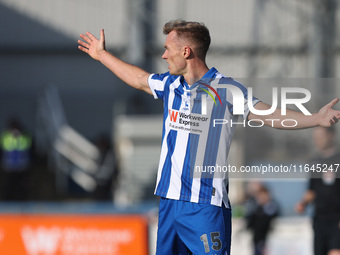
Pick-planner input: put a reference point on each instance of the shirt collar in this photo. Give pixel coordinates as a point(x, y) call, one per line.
point(210, 74)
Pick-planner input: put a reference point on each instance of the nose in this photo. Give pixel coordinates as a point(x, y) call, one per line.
point(164, 56)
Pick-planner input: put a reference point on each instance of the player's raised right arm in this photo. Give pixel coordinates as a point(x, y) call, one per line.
point(130, 74)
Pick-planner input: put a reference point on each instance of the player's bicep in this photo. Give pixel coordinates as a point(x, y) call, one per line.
point(144, 84)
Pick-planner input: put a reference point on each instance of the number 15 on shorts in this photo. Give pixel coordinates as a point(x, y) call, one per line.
point(215, 240)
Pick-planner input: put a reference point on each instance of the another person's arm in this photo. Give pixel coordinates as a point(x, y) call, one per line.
point(326, 117)
point(130, 74)
point(307, 199)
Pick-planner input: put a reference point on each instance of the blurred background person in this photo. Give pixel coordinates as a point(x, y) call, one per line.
point(324, 192)
point(261, 209)
point(16, 159)
point(107, 174)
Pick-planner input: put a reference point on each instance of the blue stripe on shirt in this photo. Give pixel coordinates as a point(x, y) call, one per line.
point(211, 151)
point(190, 159)
point(164, 183)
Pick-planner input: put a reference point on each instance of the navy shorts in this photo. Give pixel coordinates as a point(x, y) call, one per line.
point(192, 228)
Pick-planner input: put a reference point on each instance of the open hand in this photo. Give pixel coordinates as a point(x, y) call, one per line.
point(91, 45)
point(327, 115)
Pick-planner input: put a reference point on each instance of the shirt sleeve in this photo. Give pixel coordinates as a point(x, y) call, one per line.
point(254, 101)
point(246, 98)
point(157, 83)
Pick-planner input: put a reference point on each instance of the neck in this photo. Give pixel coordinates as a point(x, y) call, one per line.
point(195, 72)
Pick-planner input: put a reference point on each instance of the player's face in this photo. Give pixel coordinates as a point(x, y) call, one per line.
point(173, 54)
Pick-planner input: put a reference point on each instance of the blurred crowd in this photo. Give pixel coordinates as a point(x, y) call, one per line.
point(27, 176)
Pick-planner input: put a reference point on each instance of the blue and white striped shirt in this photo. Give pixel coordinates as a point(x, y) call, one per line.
point(191, 140)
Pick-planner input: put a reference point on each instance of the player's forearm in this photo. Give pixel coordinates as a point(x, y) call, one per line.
point(290, 120)
point(130, 74)
point(294, 120)
point(326, 117)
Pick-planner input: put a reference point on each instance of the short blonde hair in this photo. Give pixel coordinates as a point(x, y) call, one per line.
point(195, 32)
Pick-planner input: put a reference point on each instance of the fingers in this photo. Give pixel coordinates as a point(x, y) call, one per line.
point(83, 43)
point(83, 46)
point(91, 45)
point(334, 120)
point(88, 39)
point(333, 102)
point(86, 50)
point(336, 114)
point(91, 36)
point(102, 35)
point(85, 38)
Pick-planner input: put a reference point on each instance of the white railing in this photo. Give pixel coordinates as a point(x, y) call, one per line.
point(70, 154)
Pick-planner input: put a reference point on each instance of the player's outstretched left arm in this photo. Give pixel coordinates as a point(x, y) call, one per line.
point(326, 117)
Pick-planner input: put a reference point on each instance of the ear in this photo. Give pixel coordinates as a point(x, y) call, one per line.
point(186, 51)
